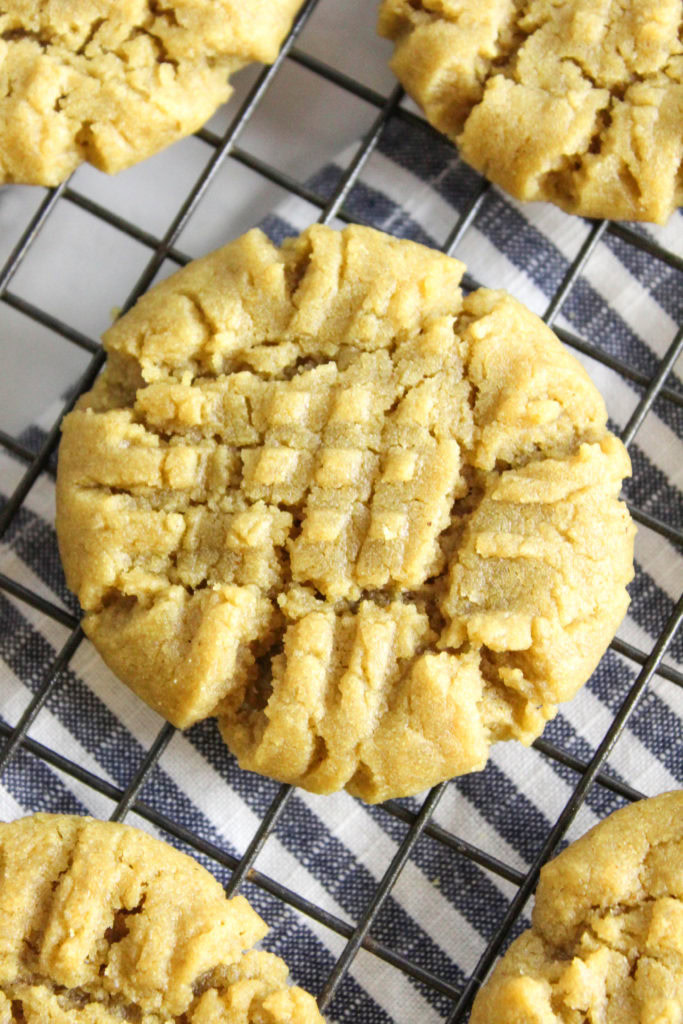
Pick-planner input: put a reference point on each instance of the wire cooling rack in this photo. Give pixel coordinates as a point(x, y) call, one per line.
point(418, 819)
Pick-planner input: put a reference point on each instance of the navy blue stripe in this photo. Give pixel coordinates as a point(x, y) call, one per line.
point(652, 722)
point(650, 489)
point(37, 788)
point(597, 321)
point(34, 540)
point(651, 608)
point(325, 180)
point(370, 206)
point(276, 228)
point(33, 437)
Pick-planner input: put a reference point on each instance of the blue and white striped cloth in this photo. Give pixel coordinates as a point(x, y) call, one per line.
point(333, 850)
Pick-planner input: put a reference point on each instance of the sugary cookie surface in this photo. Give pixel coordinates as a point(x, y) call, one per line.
point(607, 938)
point(372, 526)
point(113, 81)
point(577, 102)
point(102, 923)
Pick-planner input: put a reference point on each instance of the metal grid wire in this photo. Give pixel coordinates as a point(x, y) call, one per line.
point(587, 773)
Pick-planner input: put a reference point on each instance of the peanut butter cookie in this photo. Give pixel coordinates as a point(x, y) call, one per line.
point(371, 525)
point(113, 81)
point(607, 938)
point(102, 923)
point(577, 102)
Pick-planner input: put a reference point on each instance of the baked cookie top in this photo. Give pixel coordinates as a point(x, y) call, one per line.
point(577, 102)
point(113, 81)
point(607, 937)
point(371, 525)
point(102, 923)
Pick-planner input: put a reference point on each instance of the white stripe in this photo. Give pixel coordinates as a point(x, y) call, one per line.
point(669, 235)
point(9, 808)
point(660, 560)
point(461, 816)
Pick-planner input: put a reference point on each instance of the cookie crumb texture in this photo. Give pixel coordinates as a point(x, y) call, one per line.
point(371, 525)
point(101, 923)
point(113, 81)
point(607, 938)
point(577, 102)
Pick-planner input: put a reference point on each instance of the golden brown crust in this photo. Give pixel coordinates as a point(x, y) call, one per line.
point(372, 526)
point(102, 923)
point(577, 102)
point(607, 937)
point(113, 81)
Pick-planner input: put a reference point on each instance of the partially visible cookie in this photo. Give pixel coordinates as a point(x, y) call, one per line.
point(607, 938)
point(113, 81)
point(371, 525)
point(577, 102)
point(102, 923)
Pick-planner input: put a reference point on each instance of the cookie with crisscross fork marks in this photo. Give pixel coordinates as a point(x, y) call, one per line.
point(371, 525)
point(576, 102)
point(103, 923)
point(113, 81)
point(606, 942)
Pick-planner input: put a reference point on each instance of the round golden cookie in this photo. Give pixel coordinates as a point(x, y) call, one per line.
point(371, 525)
point(113, 81)
point(102, 923)
point(607, 937)
point(577, 102)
